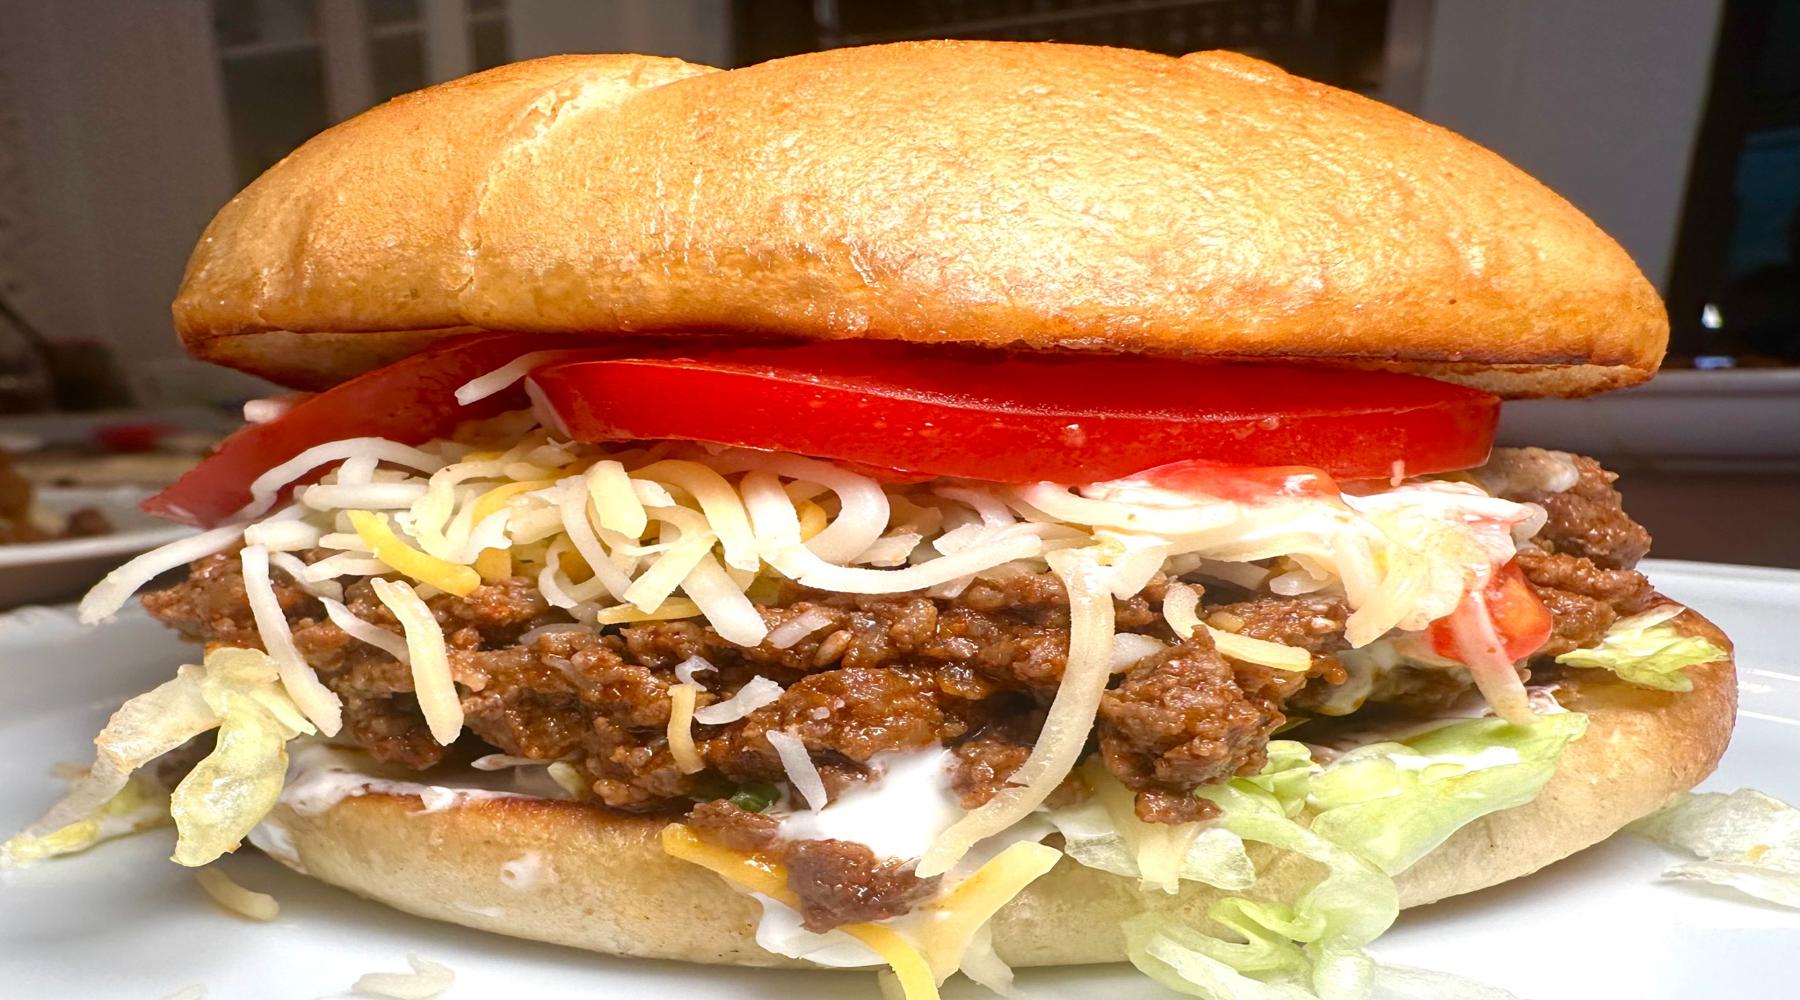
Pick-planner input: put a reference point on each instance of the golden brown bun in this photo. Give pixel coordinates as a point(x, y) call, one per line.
point(610, 888)
point(1004, 194)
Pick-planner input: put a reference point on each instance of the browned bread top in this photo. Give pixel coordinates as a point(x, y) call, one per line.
point(1032, 195)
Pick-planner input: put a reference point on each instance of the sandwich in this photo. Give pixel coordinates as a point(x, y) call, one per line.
point(938, 507)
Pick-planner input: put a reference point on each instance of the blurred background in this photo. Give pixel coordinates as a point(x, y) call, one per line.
point(1675, 124)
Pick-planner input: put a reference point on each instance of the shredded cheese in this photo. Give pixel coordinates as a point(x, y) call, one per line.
point(681, 729)
point(761, 875)
point(428, 979)
point(448, 577)
point(1066, 724)
point(231, 896)
point(622, 614)
point(319, 703)
point(366, 631)
point(801, 772)
point(964, 910)
point(1180, 609)
point(494, 565)
point(756, 692)
point(494, 501)
point(622, 533)
point(432, 684)
point(568, 779)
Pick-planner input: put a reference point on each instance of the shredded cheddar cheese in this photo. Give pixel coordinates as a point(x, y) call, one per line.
point(446, 576)
point(491, 502)
point(975, 900)
point(674, 607)
point(494, 565)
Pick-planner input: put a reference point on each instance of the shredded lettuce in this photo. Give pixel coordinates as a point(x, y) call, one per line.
point(1093, 837)
point(1648, 650)
point(1288, 774)
point(1393, 803)
point(238, 692)
point(140, 805)
point(1746, 840)
point(1315, 943)
point(1374, 811)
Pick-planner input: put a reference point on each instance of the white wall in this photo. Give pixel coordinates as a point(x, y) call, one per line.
point(123, 158)
point(1599, 99)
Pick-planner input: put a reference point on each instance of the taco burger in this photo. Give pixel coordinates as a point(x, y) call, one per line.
point(935, 507)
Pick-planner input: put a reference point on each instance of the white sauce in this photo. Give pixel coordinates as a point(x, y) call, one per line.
point(897, 816)
point(273, 839)
point(319, 777)
point(779, 932)
point(526, 871)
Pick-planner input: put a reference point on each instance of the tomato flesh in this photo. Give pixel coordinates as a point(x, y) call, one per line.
point(903, 411)
point(1018, 418)
point(1519, 617)
point(410, 401)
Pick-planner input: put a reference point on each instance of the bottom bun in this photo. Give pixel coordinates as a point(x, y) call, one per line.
point(576, 874)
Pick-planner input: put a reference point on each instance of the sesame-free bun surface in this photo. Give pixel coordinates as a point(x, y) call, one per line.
point(600, 880)
point(1039, 196)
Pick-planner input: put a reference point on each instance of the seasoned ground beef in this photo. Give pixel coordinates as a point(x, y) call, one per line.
point(838, 882)
point(885, 674)
point(881, 674)
point(1311, 622)
point(1584, 599)
point(842, 882)
point(1580, 563)
point(1589, 519)
point(1187, 717)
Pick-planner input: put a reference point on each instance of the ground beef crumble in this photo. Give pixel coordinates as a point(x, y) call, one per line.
point(888, 673)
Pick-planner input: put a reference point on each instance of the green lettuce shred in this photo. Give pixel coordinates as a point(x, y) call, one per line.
point(1648, 650)
point(1393, 803)
point(1746, 840)
point(1374, 811)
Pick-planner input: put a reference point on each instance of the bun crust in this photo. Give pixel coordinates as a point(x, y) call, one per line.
point(605, 884)
point(1004, 194)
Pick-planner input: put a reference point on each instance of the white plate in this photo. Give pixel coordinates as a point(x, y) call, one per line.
point(58, 571)
point(121, 922)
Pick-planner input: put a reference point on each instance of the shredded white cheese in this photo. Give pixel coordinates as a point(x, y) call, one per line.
point(320, 705)
point(798, 764)
point(756, 692)
point(681, 729)
point(432, 683)
point(1066, 724)
point(221, 889)
point(428, 979)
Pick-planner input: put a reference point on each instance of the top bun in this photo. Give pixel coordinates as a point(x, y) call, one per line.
point(1002, 194)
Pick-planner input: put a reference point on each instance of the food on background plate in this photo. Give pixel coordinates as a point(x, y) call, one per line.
point(937, 507)
point(22, 521)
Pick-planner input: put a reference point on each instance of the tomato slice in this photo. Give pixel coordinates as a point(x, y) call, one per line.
point(1008, 417)
point(410, 401)
point(1520, 619)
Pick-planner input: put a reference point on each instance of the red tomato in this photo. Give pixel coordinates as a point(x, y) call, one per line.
point(411, 400)
point(1025, 418)
point(1520, 619)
